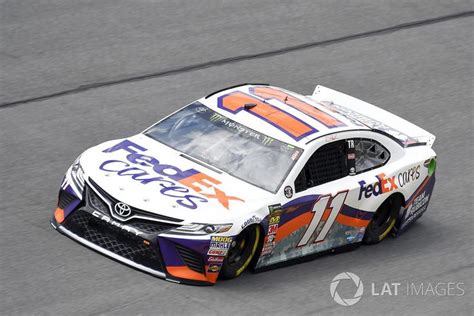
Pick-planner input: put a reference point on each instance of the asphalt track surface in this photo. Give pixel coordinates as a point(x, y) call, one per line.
point(76, 73)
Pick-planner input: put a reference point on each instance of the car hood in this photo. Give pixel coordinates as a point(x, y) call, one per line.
point(148, 175)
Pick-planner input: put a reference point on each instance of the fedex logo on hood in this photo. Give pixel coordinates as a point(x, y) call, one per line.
point(147, 169)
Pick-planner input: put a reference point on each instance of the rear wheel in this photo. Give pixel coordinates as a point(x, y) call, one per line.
point(383, 220)
point(241, 252)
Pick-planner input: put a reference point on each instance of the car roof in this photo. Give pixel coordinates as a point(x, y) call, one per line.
point(276, 112)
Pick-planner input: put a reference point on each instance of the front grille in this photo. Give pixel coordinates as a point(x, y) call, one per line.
point(114, 239)
point(136, 211)
point(65, 198)
point(192, 259)
point(96, 202)
point(149, 227)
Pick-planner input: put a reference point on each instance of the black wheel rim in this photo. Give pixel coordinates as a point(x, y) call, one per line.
point(239, 249)
point(383, 217)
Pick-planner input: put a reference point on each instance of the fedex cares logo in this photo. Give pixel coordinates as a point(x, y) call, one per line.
point(383, 185)
point(172, 181)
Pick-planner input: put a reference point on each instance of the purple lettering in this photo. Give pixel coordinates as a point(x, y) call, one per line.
point(125, 145)
point(105, 163)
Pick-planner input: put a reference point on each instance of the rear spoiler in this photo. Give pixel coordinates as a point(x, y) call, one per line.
point(363, 113)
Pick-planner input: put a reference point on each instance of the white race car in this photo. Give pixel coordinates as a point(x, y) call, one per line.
point(250, 176)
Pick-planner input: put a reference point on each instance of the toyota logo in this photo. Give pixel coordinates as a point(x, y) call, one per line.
point(122, 209)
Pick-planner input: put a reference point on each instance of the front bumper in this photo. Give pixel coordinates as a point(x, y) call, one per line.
point(139, 243)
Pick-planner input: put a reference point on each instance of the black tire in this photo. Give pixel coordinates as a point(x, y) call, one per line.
point(383, 221)
point(241, 252)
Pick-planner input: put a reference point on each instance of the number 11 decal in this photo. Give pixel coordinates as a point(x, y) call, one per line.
point(326, 206)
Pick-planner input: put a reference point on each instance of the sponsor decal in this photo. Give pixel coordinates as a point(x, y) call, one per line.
point(408, 176)
point(172, 181)
point(219, 245)
point(351, 235)
point(288, 191)
point(214, 267)
point(107, 219)
point(274, 209)
point(295, 155)
point(274, 220)
point(252, 220)
point(383, 185)
point(416, 209)
point(217, 252)
point(215, 259)
point(221, 239)
point(272, 229)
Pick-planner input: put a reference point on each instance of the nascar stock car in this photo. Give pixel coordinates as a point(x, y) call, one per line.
point(250, 176)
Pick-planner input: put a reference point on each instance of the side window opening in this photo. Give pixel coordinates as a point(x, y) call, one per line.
point(369, 154)
point(327, 164)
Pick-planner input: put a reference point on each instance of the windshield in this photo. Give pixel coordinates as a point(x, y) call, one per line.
point(201, 133)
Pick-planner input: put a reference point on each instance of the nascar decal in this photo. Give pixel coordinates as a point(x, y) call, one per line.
point(147, 169)
point(324, 118)
point(235, 102)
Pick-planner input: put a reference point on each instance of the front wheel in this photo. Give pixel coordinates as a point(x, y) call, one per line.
point(241, 252)
point(383, 221)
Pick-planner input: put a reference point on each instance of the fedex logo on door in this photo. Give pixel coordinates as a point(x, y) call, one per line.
point(383, 185)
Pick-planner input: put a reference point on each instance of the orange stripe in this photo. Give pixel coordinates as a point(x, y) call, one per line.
point(185, 273)
point(292, 225)
point(236, 101)
point(308, 109)
point(326, 214)
point(351, 221)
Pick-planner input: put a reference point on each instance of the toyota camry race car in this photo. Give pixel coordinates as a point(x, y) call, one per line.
point(250, 176)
